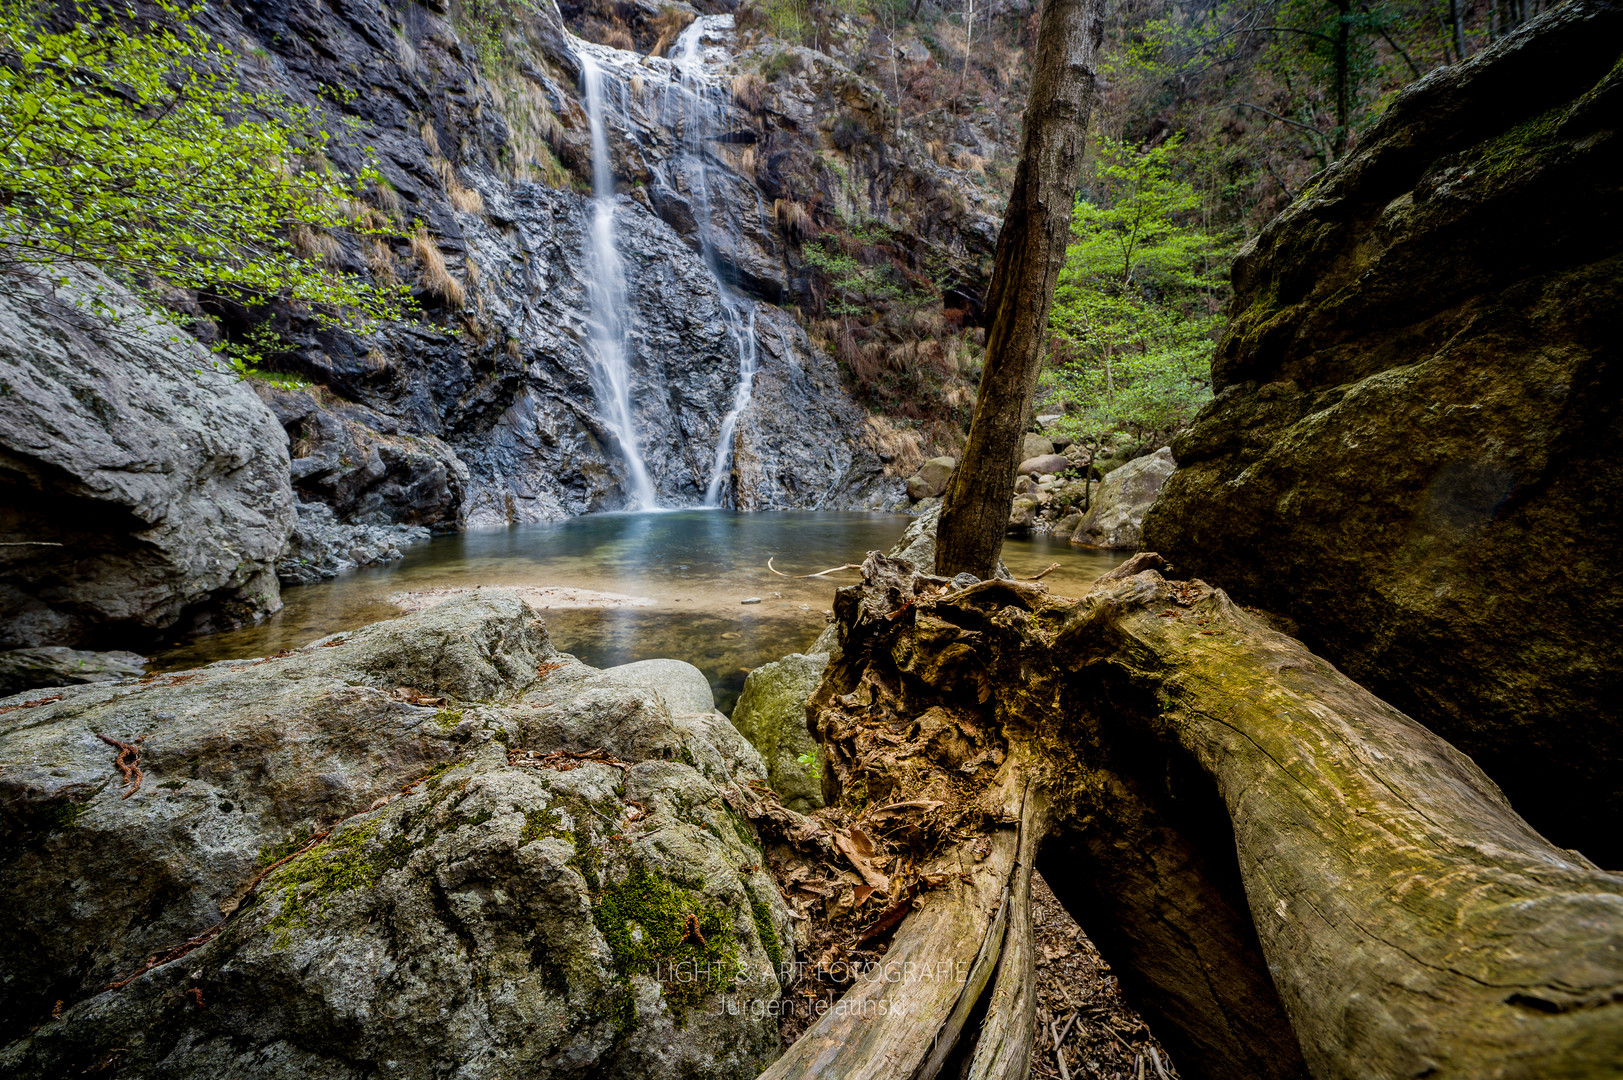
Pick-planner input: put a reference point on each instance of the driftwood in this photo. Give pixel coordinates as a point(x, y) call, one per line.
point(1289, 875)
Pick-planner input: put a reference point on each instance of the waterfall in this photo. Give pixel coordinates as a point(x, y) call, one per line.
point(704, 106)
point(608, 309)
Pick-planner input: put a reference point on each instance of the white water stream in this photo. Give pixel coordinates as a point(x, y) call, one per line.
point(694, 106)
point(606, 299)
point(704, 100)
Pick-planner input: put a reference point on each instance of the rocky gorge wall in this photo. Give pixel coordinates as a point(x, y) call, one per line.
point(1416, 448)
point(482, 410)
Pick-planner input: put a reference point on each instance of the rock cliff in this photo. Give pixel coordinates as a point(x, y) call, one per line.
point(1416, 449)
point(141, 490)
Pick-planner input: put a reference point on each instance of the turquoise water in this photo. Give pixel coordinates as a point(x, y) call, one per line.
point(691, 568)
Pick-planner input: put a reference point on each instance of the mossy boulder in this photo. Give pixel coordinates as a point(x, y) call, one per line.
point(1116, 517)
point(539, 876)
point(1416, 451)
point(771, 714)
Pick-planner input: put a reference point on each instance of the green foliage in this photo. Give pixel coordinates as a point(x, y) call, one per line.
point(128, 144)
point(809, 762)
point(1135, 311)
point(857, 285)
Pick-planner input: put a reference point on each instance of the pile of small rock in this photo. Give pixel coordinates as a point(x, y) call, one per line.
point(322, 547)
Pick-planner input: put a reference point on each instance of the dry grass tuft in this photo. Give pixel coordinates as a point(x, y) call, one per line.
point(313, 242)
point(793, 218)
point(668, 24)
point(379, 258)
point(430, 138)
point(897, 446)
point(748, 90)
point(436, 278)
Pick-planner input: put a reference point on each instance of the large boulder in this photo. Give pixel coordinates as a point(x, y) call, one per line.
point(322, 547)
point(1032, 446)
point(771, 714)
point(1416, 449)
point(428, 844)
point(1115, 519)
point(141, 487)
point(1044, 464)
point(930, 481)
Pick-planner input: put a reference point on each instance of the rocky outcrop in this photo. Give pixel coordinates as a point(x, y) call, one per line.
point(141, 489)
point(1416, 448)
point(428, 842)
point(321, 547)
point(358, 462)
point(771, 714)
point(56, 665)
point(1115, 518)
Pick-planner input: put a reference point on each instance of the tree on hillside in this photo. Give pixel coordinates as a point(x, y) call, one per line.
point(1030, 252)
point(127, 144)
point(1138, 303)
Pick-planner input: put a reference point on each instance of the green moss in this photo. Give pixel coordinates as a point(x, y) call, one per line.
point(1514, 150)
point(339, 864)
point(275, 853)
point(448, 718)
point(170, 785)
point(540, 823)
point(764, 927)
point(436, 775)
point(649, 926)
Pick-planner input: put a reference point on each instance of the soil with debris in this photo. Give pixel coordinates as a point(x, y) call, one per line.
point(1079, 1000)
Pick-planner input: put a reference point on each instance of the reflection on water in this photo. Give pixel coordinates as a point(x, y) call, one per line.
point(696, 565)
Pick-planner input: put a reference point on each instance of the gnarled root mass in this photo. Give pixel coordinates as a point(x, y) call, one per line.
point(1292, 877)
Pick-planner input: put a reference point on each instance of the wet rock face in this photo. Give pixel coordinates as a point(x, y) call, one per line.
point(359, 463)
point(140, 489)
point(321, 547)
point(592, 912)
point(508, 395)
point(1416, 450)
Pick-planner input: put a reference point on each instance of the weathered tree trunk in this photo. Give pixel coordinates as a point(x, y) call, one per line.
point(1292, 877)
point(1030, 252)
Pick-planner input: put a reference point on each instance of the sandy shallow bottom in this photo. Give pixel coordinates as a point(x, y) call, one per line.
point(615, 588)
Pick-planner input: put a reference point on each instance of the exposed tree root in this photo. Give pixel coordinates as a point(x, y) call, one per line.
point(1290, 876)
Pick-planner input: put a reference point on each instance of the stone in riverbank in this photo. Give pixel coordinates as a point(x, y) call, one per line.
point(479, 900)
point(144, 489)
point(771, 714)
point(1116, 518)
point(321, 547)
point(55, 665)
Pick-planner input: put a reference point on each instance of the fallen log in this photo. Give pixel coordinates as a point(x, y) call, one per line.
point(1290, 876)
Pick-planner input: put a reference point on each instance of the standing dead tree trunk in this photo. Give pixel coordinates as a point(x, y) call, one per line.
point(1290, 876)
point(1030, 252)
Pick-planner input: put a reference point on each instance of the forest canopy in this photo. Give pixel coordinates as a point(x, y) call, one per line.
point(128, 143)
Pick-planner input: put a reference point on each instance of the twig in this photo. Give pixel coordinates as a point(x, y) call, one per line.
point(1066, 1030)
point(775, 570)
point(1059, 1055)
point(1156, 1058)
point(30, 543)
point(837, 569)
point(1038, 577)
point(131, 768)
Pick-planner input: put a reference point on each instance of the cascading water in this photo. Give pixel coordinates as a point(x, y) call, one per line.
point(606, 299)
point(703, 103)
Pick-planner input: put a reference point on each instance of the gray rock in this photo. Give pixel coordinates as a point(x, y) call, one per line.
point(1033, 446)
point(56, 665)
point(1023, 512)
point(771, 714)
point(320, 547)
point(151, 489)
point(475, 902)
point(1041, 464)
point(930, 481)
point(1116, 518)
point(1066, 526)
point(356, 461)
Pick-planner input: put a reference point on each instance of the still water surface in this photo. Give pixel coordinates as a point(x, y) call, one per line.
point(695, 566)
